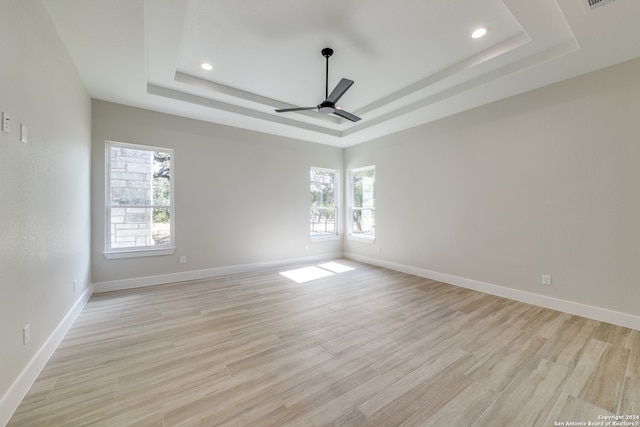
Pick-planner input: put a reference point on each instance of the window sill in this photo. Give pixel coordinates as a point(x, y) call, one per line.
point(132, 253)
point(321, 238)
point(365, 239)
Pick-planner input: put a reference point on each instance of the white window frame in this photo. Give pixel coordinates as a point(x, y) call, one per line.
point(352, 234)
point(137, 251)
point(336, 197)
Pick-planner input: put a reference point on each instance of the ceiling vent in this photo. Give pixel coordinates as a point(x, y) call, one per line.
point(592, 4)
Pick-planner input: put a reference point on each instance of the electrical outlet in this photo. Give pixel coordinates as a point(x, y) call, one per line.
point(6, 122)
point(74, 285)
point(183, 259)
point(546, 279)
point(26, 334)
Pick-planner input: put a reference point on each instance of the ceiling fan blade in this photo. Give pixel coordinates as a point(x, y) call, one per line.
point(346, 115)
point(286, 110)
point(339, 90)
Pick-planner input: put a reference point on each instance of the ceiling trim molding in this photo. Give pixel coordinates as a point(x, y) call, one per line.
point(562, 49)
point(488, 54)
point(230, 108)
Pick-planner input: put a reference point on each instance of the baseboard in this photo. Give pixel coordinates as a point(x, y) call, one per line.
point(591, 312)
point(18, 390)
point(138, 282)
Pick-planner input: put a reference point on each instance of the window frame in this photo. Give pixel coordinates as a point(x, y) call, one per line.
point(336, 197)
point(137, 251)
point(352, 235)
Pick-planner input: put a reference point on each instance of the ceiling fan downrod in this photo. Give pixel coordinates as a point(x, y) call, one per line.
point(327, 52)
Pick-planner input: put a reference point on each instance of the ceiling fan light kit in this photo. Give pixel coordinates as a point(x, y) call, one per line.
point(328, 106)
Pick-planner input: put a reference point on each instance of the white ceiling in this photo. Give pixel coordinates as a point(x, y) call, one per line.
point(413, 61)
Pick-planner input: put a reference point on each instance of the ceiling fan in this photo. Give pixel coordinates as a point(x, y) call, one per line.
point(328, 106)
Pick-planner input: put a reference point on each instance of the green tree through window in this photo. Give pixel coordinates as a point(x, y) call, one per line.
point(363, 202)
point(323, 186)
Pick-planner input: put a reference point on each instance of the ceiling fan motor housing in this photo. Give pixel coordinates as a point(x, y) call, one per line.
point(326, 108)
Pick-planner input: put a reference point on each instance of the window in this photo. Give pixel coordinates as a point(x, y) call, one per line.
point(363, 211)
point(139, 207)
point(324, 209)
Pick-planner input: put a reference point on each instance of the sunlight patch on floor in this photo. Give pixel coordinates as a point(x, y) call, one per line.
point(335, 267)
point(306, 274)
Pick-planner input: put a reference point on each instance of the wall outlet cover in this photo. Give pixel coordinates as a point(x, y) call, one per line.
point(6, 122)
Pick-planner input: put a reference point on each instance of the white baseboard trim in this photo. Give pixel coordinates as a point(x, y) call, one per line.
point(591, 312)
point(138, 282)
point(18, 390)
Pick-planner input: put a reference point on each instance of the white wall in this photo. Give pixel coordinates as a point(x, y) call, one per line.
point(44, 194)
point(545, 182)
point(241, 197)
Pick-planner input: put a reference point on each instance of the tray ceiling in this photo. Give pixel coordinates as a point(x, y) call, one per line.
point(413, 61)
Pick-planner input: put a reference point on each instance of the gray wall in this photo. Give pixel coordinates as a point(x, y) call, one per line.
point(545, 182)
point(241, 197)
point(44, 185)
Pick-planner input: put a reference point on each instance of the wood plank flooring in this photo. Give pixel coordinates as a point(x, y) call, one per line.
point(366, 347)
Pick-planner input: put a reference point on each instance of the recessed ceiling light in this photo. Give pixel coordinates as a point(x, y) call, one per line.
point(479, 32)
point(206, 66)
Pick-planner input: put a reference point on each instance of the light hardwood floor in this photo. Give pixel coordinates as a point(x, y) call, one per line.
point(367, 347)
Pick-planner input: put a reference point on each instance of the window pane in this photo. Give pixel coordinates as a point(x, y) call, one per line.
point(364, 188)
point(323, 188)
point(323, 218)
point(364, 222)
point(161, 179)
point(131, 176)
point(161, 226)
point(323, 221)
point(140, 197)
point(131, 227)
